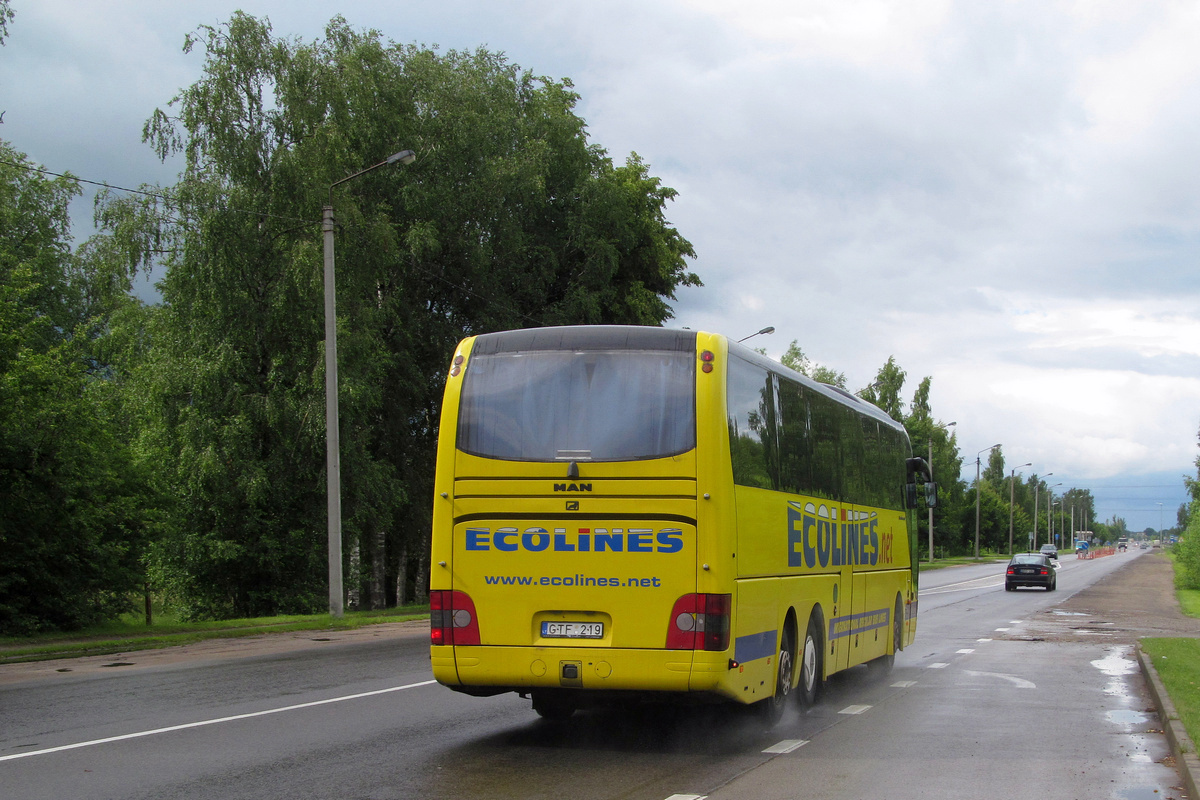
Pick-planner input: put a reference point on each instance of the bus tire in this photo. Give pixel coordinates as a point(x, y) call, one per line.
point(884, 663)
point(772, 708)
point(550, 707)
point(812, 656)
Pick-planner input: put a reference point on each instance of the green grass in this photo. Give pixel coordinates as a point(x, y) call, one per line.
point(955, 561)
point(1189, 601)
point(131, 633)
point(1177, 662)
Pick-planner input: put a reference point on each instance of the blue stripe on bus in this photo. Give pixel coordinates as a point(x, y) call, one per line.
point(754, 646)
point(841, 627)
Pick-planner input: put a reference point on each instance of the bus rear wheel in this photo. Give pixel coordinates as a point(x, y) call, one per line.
point(810, 664)
point(772, 708)
point(884, 663)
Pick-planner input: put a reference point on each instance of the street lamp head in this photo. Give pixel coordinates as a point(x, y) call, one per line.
point(768, 329)
point(984, 450)
point(404, 157)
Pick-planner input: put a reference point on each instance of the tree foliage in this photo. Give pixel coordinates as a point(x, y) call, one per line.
point(508, 218)
point(6, 16)
point(886, 388)
point(794, 358)
point(1187, 551)
point(71, 517)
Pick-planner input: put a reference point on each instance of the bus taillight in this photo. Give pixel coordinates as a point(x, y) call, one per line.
point(700, 622)
point(452, 618)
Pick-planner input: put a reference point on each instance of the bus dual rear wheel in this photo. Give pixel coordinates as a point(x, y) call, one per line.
point(810, 665)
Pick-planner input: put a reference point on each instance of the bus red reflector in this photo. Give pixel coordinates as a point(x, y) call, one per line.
point(452, 618)
point(700, 622)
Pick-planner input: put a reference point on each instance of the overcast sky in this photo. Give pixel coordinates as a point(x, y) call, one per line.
point(1003, 196)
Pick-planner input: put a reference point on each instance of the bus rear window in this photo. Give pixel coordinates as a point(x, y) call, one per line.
point(593, 405)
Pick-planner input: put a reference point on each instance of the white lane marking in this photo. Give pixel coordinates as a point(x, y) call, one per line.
point(983, 640)
point(1001, 630)
point(966, 650)
point(687, 797)
point(1015, 621)
point(1020, 683)
point(938, 666)
point(218, 721)
point(786, 746)
point(964, 586)
point(903, 684)
point(854, 709)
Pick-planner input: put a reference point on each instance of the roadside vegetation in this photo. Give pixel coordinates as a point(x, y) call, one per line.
point(130, 632)
point(1177, 662)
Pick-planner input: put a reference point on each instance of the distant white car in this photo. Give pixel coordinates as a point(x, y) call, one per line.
point(1050, 550)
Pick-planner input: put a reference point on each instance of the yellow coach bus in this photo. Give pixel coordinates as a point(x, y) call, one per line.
point(626, 510)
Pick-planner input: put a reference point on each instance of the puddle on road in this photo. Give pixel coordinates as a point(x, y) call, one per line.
point(1141, 793)
point(1117, 665)
point(1135, 736)
point(1128, 717)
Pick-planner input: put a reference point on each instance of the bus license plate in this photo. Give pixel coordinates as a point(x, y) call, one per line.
point(572, 630)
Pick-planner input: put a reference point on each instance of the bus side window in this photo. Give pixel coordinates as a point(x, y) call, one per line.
point(795, 452)
point(753, 425)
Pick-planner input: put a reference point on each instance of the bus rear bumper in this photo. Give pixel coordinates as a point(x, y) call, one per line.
point(521, 669)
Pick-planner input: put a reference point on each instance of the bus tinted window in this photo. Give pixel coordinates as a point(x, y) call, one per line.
point(792, 438)
point(795, 468)
point(753, 439)
point(550, 405)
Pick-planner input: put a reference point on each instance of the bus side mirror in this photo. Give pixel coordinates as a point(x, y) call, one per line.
point(916, 467)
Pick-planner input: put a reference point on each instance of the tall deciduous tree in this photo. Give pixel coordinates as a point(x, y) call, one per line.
point(508, 218)
point(794, 358)
point(71, 518)
point(885, 390)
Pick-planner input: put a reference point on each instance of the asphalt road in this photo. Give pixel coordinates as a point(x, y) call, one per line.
point(997, 698)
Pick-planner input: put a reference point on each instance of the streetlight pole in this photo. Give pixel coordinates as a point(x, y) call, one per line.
point(947, 427)
point(1011, 478)
point(977, 487)
point(333, 461)
point(1049, 515)
point(1160, 522)
point(1036, 487)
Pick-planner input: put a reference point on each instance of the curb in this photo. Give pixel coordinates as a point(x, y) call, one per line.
point(1181, 746)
